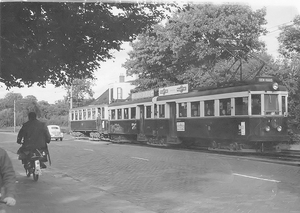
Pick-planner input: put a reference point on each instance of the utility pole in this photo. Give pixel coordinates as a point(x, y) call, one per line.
point(71, 98)
point(14, 116)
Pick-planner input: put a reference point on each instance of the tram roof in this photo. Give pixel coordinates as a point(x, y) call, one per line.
point(223, 90)
point(207, 92)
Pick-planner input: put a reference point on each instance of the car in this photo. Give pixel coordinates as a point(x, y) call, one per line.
point(55, 132)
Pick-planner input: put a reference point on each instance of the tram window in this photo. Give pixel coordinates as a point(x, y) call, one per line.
point(89, 114)
point(256, 104)
point(148, 111)
point(80, 115)
point(155, 110)
point(283, 104)
point(195, 109)
point(93, 113)
point(241, 106)
point(271, 104)
point(209, 108)
point(225, 106)
point(161, 109)
point(133, 112)
point(119, 113)
point(84, 114)
point(76, 115)
point(72, 116)
point(113, 114)
point(126, 113)
point(182, 109)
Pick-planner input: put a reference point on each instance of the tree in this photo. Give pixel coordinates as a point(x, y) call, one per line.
point(193, 42)
point(82, 92)
point(61, 41)
point(289, 38)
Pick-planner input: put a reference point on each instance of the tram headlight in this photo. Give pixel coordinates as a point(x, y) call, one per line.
point(275, 86)
point(279, 128)
point(267, 128)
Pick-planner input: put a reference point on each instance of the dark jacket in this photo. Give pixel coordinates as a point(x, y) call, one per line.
point(35, 133)
point(7, 174)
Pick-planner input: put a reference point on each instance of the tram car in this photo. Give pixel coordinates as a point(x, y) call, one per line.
point(248, 116)
point(90, 121)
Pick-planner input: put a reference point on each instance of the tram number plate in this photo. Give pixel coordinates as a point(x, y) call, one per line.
point(180, 126)
point(242, 128)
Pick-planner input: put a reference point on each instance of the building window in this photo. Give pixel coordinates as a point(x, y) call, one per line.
point(103, 113)
point(126, 116)
point(182, 109)
point(209, 108)
point(119, 93)
point(225, 106)
point(161, 110)
point(119, 113)
point(148, 111)
point(241, 106)
point(195, 109)
point(111, 95)
point(133, 112)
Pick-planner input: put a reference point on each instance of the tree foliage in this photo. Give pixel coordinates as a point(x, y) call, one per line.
point(289, 38)
point(60, 41)
point(80, 91)
point(193, 42)
point(14, 102)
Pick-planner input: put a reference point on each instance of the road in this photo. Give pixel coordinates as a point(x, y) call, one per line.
point(87, 176)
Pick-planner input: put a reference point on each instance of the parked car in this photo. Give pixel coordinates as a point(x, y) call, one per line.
point(55, 132)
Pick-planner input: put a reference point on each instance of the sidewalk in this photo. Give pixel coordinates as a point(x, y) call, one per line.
point(56, 192)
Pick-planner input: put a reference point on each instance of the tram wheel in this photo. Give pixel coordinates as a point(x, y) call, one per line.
point(214, 144)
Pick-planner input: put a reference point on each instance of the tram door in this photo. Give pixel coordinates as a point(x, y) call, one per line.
point(172, 120)
point(142, 119)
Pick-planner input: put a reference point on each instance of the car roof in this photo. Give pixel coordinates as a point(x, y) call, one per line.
point(53, 126)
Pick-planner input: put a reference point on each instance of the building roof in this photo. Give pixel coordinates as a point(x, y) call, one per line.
point(102, 99)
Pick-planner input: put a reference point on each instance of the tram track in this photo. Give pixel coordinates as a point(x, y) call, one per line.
point(288, 157)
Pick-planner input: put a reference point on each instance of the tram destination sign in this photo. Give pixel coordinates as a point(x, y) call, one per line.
point(143, 94)
point(173, 90)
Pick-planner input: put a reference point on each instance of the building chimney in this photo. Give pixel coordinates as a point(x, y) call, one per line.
point(121, 78)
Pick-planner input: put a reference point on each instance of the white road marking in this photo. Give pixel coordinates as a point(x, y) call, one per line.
point(89, 150)
point(140, 158)
point(258, 178)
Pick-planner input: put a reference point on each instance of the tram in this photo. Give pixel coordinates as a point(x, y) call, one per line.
point(90, 121)
point(248, 116)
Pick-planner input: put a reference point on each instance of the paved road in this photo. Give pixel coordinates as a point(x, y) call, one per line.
point(103, 177)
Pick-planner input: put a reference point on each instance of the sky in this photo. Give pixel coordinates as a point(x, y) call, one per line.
point(279, 12)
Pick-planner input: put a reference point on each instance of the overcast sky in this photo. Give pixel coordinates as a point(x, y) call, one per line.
point(278, 13)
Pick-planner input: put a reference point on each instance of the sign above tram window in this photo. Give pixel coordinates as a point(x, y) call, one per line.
point(264, 79)
point(143, 94)
point(173, 90)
